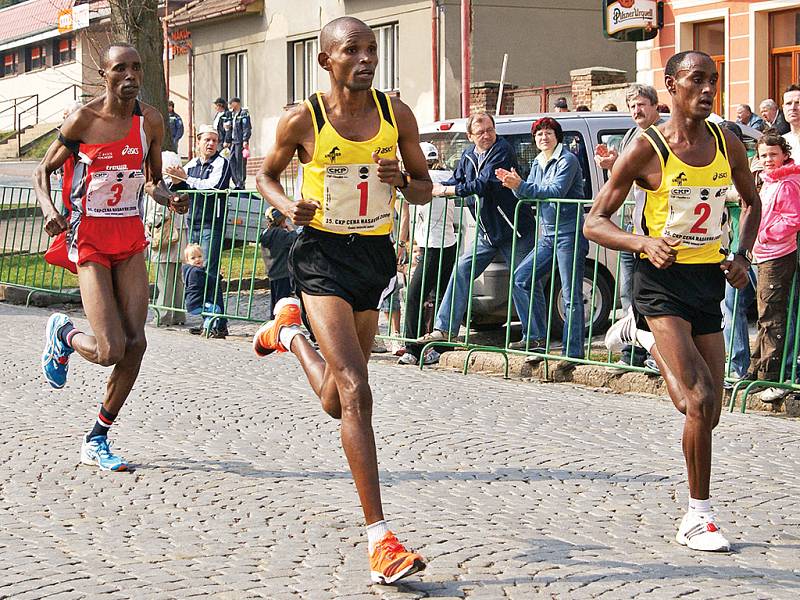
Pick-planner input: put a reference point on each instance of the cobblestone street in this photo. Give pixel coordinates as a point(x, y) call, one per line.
point(241, 489)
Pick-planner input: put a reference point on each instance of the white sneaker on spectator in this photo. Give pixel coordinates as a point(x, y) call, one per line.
point(773, 394)
point(622, 333)
point(651, 363)
point(699, 531)
point(408, 359)
point(432, 357)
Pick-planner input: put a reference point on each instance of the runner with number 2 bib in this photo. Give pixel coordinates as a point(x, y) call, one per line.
point(111, 153)
point(343, 261)
point(685, 166)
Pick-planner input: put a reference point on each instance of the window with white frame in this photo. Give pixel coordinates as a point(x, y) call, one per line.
point(387, 75)
point(304, 69)
point(234, 76)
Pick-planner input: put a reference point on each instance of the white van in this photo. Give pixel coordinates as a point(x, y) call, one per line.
point(582, 132)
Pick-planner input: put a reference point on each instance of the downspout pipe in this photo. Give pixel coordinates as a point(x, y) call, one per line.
point(466, 55)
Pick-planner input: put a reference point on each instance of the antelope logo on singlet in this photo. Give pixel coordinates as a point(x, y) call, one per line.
point(333, 154)
point(129, 150)
point(679, 178)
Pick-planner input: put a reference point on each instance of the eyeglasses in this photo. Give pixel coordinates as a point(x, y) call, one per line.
point(482, 132)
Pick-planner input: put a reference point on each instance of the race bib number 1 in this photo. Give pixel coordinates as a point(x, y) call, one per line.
point(695, 214)
point(114, 193)
point(356, 201)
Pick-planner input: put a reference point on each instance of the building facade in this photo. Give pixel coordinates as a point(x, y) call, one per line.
point(756, 46)
point(265, 52)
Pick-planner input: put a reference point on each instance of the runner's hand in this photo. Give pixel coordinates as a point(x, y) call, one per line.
point(661, 251)
point(389, 170)
point(55, 223)
point(179, 203)
point(302, 212)
point(736, 271)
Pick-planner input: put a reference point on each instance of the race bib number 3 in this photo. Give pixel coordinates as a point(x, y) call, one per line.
point(695, 214)
point(114, 193)
point(356, 201)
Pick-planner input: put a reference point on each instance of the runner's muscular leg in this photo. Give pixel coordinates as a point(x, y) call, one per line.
point(132, 291)
point(320, 376)
point(693, 391)
point(345, 338)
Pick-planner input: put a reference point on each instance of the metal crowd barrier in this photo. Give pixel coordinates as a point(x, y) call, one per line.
point(234, 222)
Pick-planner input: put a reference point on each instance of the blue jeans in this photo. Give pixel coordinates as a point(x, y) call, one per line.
point(455, 298)
point(571, 289)
point(735, 324)
point(211, 243)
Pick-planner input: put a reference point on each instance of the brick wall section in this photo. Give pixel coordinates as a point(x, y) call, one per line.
point(585, 80)
point(483, 97)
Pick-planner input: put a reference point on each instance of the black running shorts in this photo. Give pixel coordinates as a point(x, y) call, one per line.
point(356, 268)
point(691, 292)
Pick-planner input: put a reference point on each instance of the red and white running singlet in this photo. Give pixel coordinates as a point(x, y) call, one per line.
point(103, 190)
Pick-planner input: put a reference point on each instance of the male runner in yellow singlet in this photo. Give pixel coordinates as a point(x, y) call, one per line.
point(346, 141)
point(685, 166)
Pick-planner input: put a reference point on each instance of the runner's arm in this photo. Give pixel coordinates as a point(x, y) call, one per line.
point(639, 158)
point(292, 127)
point(419, 188)
point(154, 185)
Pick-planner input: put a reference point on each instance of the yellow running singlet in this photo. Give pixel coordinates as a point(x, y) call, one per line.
point(689, 204)
point(343, 178)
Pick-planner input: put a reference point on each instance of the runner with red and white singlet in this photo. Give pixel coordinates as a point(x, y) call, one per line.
point(111, 152)
point(103, 191)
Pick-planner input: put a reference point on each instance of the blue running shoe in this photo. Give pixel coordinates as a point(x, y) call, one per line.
point(97, 451)
point(55, 358)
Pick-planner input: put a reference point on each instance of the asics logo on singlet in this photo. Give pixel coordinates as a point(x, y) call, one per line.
point(129, 150)
point(719, 175)
point(679, 179)
point(385, 150)
point(333, 154)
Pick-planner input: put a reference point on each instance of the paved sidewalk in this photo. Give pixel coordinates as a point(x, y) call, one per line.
point(241, 490)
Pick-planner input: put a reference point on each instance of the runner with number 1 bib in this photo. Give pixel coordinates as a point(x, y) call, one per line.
point(343, 261)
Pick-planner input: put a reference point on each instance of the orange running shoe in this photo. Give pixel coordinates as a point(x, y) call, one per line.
point(390, 561)
point(287, 313)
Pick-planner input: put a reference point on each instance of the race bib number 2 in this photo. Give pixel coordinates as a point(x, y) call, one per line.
point(114, 193)
point(356, 200)
point(695, 214)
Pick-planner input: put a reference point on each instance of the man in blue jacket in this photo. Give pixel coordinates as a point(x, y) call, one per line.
point(241, 130)
point(494, 213)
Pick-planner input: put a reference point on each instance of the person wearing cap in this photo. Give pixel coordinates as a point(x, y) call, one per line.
point(222, 121)
point(241, 129)
point(209, 174)
point(561, 105)
point(434, 243)
point(276, 241)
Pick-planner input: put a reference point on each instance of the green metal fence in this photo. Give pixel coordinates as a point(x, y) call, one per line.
point(234, 219)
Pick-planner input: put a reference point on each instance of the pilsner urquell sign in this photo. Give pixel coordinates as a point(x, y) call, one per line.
point(632, 20)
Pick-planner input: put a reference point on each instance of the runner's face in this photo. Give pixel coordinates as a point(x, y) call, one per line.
point(771, 157)
point(694, 86)
point(123, 73)
point(791, 107)
point(644, 112)
point(353, 60)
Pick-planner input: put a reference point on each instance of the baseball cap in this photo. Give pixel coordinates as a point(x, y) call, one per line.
point(429, 150)
point(561, 103)
point(207, 129)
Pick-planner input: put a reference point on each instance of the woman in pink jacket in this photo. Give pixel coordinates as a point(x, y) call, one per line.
point(775, 253)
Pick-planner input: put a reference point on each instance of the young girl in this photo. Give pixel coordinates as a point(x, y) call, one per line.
point(775, 253)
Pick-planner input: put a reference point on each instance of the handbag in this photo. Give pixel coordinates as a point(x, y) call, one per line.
point(164, 234)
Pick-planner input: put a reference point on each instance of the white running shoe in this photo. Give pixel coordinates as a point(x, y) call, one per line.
point(699, 531)
point(773, 394)
point(622, 333)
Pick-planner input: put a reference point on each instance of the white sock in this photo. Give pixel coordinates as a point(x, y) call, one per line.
point(646, 339)
point(700, 506)
point(286, 335)
point(375, 532)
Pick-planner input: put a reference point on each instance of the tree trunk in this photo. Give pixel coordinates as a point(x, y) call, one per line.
point(137, 22)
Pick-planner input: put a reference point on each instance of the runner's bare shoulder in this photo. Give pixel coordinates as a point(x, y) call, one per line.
point(295, 126)
point(153, 121)
point(78, 122)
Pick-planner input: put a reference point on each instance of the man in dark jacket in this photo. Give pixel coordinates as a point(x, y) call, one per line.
point(222, 122)
point(493, 207)
point(773, 116)
point(241, 129)
point(175, 124)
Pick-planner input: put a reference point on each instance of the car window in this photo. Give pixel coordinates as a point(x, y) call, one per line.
point(450, 144)
point(611, 138)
